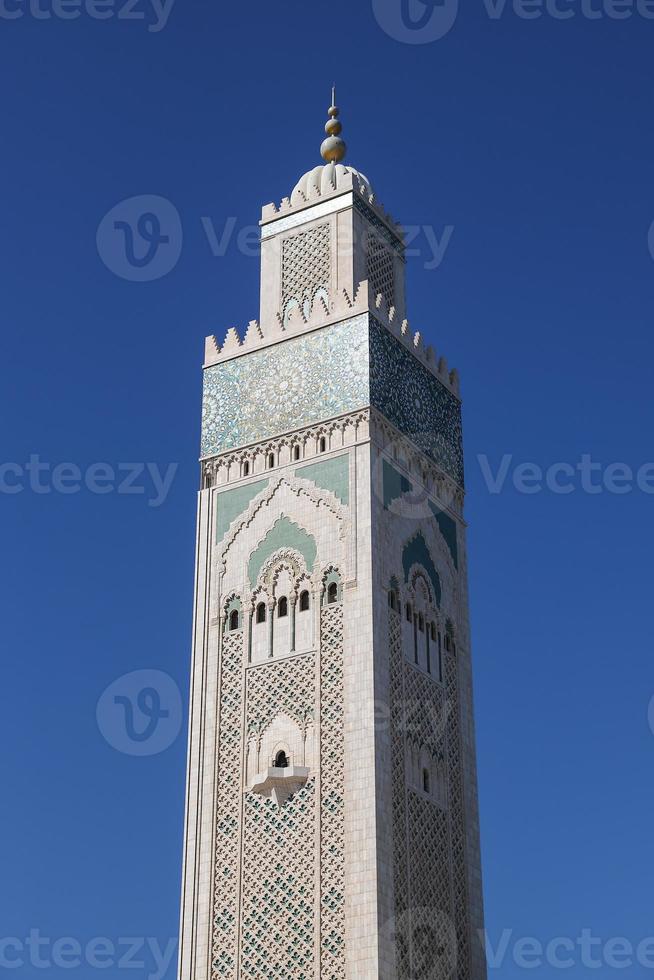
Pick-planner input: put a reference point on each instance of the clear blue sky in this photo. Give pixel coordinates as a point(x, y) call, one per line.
point(534, 140)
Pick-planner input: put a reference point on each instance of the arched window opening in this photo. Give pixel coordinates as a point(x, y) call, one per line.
point(281, 760)
point(448, 643)
point(322, 445)
point(234, 620)
point(271, 460)
point(409, 613)
point(425, 781)
point(391, 599)
point(282, 607)
point(246, 468)
point(332, 593)
point(433, 632)
point(261, 612)
point(421, 623)
point(296, 452)
point(304, 601)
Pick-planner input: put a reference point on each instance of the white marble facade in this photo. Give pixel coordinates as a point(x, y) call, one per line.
point(331, 816)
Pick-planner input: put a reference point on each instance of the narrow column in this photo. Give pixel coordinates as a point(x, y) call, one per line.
point(292, 600)
point(415, 637)
point(427, 629)
point(250, 618)
point(271, 617)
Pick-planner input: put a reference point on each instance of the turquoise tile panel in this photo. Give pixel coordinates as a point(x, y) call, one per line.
point(415, 401)
point(231, 503)
point(331, 474)
point(283, 534)
point(416, 552)
point(284, 387)
point(395, 484)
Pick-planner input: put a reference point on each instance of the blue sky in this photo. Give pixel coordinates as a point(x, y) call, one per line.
point(531, 140)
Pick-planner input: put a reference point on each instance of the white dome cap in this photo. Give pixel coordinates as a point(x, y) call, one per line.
point(325, 179)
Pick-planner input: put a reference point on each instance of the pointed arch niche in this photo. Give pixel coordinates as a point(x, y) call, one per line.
point(280, 570)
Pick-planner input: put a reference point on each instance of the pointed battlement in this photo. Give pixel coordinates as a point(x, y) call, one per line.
point(322, 314)
point(324, 184)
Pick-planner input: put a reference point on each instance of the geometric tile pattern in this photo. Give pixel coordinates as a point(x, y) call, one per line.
point(415, 401)
point(457, 826)
point(400, 842)
point(279, 891)
point(225, 923)
point(267, 392)
point(320, 375)
point(431, 903)
point(278, 887)
point(283, 687)
point(277, 929)
point(332, 789)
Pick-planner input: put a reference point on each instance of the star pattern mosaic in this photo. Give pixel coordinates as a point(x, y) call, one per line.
point(416, 402)
point(287, 386)
point(329, 372)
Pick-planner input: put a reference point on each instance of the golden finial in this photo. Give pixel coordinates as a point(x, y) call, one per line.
point(333, 148)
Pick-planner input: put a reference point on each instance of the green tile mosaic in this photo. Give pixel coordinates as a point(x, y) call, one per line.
point(330, 474)
point(417, 552)
point(328, 372)
point(231, 503)
point(394, 484)
point(416, 402)
point(283, 534)
point(284, 387)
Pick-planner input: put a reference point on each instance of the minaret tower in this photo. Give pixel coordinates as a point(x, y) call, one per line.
point(331, 825)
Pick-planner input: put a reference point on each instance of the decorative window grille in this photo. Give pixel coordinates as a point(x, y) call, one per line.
point(306, 268)
point(380, 268)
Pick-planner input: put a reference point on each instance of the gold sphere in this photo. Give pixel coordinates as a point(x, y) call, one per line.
point(333, 110)
point(333, 149)
point(333, 127)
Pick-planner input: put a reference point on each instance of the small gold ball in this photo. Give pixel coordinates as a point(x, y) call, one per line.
point(333, 110)
point(333, 127)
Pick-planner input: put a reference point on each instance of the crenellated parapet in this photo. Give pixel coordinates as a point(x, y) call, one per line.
point(323, 313)
point(324, 183)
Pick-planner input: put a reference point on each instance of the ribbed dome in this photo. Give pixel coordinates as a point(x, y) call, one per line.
point(324, 180)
